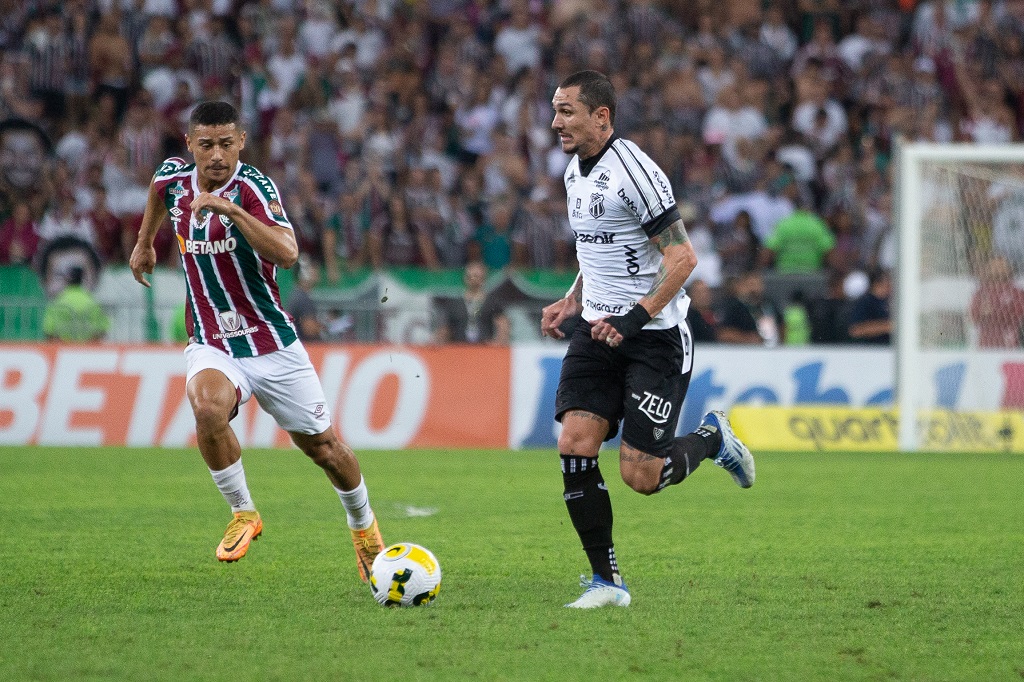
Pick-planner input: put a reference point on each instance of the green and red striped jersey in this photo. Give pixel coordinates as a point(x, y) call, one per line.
point(232, 299)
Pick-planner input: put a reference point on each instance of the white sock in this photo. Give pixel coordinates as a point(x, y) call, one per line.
point(231, 483)
point(357, 506)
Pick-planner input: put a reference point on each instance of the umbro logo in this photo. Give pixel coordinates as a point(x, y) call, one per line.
point(319, 410)
point(175, 211)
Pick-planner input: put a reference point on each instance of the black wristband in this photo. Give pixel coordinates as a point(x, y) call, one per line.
point(630, 323)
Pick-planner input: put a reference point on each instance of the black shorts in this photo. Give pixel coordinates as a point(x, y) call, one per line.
point(642, 382)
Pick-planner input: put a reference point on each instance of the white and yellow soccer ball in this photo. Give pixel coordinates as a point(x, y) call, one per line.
point(405, 574)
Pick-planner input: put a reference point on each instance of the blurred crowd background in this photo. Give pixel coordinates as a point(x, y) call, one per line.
point(417, 134)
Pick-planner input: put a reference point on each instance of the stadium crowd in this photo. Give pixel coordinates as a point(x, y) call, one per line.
point(418, 133)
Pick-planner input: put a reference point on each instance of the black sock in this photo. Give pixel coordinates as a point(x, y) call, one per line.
point(590, 509)
point(686, 454)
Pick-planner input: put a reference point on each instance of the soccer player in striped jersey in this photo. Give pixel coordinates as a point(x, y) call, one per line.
point(630, 356)
point(233, 234)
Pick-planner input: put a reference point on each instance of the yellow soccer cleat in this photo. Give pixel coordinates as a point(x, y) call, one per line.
point(368, 543)
point(243, 529)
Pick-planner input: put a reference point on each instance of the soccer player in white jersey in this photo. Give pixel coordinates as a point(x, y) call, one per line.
point(630, 356)
point(233, 234)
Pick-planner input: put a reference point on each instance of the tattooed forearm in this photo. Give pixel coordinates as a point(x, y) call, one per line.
point(672, 235)
point(678, 261)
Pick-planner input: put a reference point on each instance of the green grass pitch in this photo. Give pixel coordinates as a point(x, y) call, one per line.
point(833, 567)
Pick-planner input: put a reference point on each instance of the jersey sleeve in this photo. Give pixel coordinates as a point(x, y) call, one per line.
point(167, 171)
point(263, 201)
point(645, 191)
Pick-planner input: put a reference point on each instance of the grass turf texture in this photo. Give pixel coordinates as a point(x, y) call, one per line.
point(856, 567)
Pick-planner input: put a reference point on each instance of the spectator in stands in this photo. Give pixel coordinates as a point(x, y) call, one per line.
point(492, 242)
point(829, 312)
point(700, 315)
point(107, 229)
point(748, 316)
point(345, 239)
point(997, 307)
point(870, 321)
point(110, 59)
point(74, 315)
point(64, 220)
point(542, 237)
point(25, 172)
point(739, 248)
point(473, 317)
point(519, 41)
point(18, 237)
point(393, 240)
point(301, 306)
point(800, 242)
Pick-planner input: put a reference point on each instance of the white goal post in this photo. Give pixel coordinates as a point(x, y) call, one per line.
point(957, 207)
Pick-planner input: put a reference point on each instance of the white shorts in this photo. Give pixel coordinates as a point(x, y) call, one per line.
point(284, 382)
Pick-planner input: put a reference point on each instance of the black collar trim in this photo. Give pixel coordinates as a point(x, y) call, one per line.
point(587, 165)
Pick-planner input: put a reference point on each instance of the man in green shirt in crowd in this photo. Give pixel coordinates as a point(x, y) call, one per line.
point(800, 242)
point(74, 315)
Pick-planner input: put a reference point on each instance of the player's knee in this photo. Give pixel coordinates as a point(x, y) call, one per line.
point(641, 481)
point(570, 442)
point(323, 449)
point(210, 413)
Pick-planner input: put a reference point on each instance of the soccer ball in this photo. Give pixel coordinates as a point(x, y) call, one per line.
point(405, 575)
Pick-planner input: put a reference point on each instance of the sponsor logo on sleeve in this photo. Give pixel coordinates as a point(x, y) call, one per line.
point(629, 202)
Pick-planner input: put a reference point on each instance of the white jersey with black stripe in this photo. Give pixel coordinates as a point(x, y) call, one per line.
point(617, 201)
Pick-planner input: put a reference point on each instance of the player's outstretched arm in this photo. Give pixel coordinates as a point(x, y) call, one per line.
point(143, 258)
point(272, 242)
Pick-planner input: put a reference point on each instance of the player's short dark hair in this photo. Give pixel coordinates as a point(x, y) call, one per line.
point(213, 114)
point(595, 90)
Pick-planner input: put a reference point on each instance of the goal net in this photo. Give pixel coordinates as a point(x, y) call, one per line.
point(959, 305)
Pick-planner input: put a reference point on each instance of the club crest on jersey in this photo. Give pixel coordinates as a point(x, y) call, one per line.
point(230, 321)
point(275, 208)
point(658, 433)
point(597, 204)
point(226, 222)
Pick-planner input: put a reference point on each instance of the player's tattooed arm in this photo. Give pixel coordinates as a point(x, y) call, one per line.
point(678, 261)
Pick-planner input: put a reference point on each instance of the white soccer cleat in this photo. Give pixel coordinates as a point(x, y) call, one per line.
point(733, 456)
point(600, 593)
